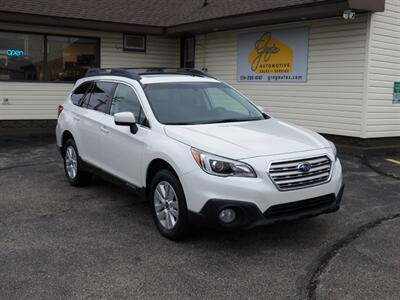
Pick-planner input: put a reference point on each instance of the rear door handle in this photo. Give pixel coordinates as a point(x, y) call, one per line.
point(104, 130)
point(77, 118)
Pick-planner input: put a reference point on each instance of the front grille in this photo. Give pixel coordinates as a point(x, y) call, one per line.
point(298, 207)
point(286, 175)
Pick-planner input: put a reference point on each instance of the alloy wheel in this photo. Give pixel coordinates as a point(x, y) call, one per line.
point(71, 162)
point(166, 205)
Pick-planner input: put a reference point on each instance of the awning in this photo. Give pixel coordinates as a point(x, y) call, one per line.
point(195, 17)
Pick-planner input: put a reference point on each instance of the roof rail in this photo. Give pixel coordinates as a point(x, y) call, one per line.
point(162, 70)
point(129, 73)
point(135, 73)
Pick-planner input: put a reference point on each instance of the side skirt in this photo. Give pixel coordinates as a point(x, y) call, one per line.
point(138, 191)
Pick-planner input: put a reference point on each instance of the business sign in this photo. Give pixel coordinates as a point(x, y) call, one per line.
point(396, 92)
point(14, 52)
point(275, 56)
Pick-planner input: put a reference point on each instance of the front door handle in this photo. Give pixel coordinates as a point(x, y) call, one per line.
point(76, 118)
point(104, 130)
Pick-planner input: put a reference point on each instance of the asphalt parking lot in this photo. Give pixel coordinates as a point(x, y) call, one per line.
point(99, 242)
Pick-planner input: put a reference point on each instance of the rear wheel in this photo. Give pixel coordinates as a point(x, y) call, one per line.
point(73, 170)
point(169, 205)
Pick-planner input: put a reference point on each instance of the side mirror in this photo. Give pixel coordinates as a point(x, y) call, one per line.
point(126, 119)
point(262, 109)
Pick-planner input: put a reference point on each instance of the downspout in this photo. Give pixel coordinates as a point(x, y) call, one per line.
point(364, 107)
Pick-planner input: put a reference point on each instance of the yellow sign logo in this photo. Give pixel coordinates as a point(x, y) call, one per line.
point(270, 56)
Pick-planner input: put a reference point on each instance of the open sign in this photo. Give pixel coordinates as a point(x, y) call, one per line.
point(14, 52)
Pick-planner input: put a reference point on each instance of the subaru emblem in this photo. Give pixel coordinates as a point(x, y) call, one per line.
point(304, 167)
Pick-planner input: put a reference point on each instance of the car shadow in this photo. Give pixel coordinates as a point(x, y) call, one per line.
point(306, 232)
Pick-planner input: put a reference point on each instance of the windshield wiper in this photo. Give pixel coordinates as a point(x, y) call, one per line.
point(227, 120)
point(179, 123)
point(230, 120)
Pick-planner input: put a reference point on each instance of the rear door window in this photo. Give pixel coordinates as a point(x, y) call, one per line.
point(79, 94)
point(101, 96)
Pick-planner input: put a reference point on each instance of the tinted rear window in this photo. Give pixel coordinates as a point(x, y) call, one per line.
point(80, 92)
point(101, 95)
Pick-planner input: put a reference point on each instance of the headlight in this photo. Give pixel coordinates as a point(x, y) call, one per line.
point(220, 166)
point(333, 149)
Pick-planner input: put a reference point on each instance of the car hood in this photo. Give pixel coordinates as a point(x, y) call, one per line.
point(240, 140)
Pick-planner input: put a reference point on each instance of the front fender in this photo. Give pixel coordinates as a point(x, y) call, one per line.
point(175, 153)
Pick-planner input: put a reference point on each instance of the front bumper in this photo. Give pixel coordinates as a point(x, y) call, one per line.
point(200, 187)
point(255, 198)
point(249, 215)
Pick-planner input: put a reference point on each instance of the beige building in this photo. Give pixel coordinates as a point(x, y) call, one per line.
point(350, 64)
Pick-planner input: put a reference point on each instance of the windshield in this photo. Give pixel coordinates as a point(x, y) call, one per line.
point(187, 103)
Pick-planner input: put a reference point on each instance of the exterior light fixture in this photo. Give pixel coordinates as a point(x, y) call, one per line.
point(349, 15)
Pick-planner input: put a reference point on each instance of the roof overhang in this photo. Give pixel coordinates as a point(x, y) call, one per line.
point(81, 24)
point(316, 10)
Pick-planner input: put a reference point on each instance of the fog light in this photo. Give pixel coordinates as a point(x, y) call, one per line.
point(227, 215)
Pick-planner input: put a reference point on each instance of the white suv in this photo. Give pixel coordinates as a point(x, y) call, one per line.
point(200, 151)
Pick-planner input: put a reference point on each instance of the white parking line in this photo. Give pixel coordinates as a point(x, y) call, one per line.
point(397, 162)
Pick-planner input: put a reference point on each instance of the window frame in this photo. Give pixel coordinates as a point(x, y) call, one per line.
point(128, 49)
point(45, 66)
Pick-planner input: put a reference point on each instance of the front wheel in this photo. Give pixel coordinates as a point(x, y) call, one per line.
point(169, 205)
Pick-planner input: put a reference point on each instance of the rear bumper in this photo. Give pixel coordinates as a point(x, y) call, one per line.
point(249, 215)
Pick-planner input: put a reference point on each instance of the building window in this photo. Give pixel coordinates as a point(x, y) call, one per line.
point(187, 52)
point(21, 56)
point(29, 57)
point(134, 42)
point(68, 58)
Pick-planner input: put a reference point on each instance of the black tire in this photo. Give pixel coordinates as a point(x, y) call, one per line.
point(82, 177)
point(181, 228)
